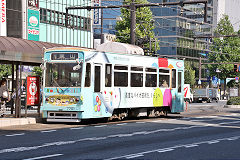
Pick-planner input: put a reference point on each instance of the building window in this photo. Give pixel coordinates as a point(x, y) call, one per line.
point(58, 18)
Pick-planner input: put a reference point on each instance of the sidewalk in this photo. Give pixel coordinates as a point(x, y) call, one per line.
point(4, 122)
point(10, 120)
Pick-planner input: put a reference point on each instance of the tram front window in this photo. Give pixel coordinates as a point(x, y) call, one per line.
point(63, 75)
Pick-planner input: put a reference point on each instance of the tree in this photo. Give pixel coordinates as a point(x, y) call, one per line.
point(144, 26)
point(224, 50)
point(37, 71)
point(189, 74)
point(5, 70)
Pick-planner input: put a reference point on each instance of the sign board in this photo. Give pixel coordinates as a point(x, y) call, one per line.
point(3, 16)
point(33, 90)
point(233, 92)
point(199, 82)
point(236, 79)
point(96, 13)
point(33, 25)
point(33, 3)
point(214, 81)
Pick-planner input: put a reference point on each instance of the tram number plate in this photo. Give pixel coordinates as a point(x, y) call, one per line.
point(70, 108)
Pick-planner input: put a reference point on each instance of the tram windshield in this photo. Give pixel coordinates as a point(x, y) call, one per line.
point(63, 75)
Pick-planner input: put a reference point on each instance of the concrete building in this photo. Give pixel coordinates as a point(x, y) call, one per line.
point(44, 20)
point(227, 7)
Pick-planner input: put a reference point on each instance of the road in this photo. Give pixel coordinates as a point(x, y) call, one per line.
point(192, 135)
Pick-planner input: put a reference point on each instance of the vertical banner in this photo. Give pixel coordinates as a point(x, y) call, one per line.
point(33, 25)
point(97, 13)
point(3, 22)
point(33, 90)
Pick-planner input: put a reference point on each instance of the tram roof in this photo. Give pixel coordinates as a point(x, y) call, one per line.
point(25, 51)
point(117, 47)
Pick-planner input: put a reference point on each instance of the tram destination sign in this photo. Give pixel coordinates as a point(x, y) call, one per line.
point(64, 56)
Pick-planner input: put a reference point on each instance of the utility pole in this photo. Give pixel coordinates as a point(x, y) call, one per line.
point(133, 22)
point(133, 7)
point(102, 26)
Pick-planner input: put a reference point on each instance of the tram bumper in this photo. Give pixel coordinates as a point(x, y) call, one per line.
point(55, 116)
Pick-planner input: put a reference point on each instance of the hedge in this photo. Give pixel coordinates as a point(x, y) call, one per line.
point(234, 101)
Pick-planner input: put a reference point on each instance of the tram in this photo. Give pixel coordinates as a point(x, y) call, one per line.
point(83, 84)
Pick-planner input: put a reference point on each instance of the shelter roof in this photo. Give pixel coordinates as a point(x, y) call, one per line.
point(22, 50)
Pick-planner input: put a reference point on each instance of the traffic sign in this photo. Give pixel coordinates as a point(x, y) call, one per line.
point(236, 79)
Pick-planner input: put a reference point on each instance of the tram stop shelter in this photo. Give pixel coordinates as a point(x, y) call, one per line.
point(18, 52)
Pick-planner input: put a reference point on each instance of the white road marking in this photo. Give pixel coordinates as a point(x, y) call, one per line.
point(165, 150)
point(191, 145)
point(43, 157)
point(48, 131)
point(12, 135)
point(140, 122)
point(77, 128)
point(100, 126)
point(121, 124)
point(213, 142)
point(134, 156)
point(162, 150)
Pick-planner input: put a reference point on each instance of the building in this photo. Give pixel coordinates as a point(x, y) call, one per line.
point(177, 28)
point(227, 7)
point(44, 20)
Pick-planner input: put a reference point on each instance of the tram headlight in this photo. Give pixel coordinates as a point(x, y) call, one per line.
point(71, 100)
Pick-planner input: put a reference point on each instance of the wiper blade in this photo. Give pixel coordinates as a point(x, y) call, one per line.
point(58, 85)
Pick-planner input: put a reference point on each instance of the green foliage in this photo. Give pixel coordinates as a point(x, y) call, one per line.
point(229, 46)
point(234, 101)
point(37, 71)
point(189, 74)
point(5, 70)
point(144, 25)
point(232, 84)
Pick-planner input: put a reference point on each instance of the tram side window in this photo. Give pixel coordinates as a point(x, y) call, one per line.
point(164, 78)
point(120, 76)
point(108, 75)
point(174, 78)
point(179, 81)
point(136, 76)
point(88, 75)
point(151, 77)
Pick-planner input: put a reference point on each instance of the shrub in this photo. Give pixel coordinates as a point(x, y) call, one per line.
point(234, 101)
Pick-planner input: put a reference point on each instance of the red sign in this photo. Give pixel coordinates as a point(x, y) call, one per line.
point(33, 90)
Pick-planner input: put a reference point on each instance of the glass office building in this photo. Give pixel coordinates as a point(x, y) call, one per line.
point(176, 29)
point(109, 18)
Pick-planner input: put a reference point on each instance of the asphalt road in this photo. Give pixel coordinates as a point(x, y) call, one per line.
point(192, 135)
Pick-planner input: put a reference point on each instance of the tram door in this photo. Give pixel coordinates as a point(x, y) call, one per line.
point(180, 93)
point(97, 77)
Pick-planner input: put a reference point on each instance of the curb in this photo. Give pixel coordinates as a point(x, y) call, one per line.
point(5, 122)
point(231, 106)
